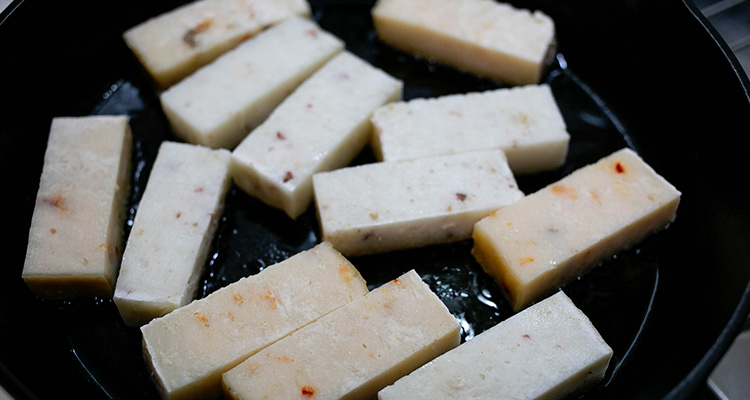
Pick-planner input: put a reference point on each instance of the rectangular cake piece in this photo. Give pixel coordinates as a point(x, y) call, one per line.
point(355, 350)
point(172, 231)
point(322, 126)
point(549, 351)
point(219, 104)
point(380, 207)
point(556, 234)
point(174, 44)
point(75, 239)
point(189, 348)
point(523, 121)
point(483, 37)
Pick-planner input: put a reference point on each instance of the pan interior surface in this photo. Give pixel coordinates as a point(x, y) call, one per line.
point(645, 75)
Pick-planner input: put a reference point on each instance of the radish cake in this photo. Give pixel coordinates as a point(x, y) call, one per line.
point(549, 351)
point(189, 348)
point(322, 126)
point(76, 235)
point(483, 37)
point(174, 44)
point(219, 104)
point(354, 351)
point(172, 231)
point(525, 122)
point(556, 234)
point(386, 206)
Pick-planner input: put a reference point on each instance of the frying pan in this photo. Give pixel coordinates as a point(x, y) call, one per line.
point(651, 75)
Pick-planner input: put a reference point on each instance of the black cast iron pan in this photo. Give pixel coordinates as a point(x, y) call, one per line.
point(645, 74)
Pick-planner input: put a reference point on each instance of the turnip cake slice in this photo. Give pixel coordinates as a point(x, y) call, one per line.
point(322, 126)
point(189, 348)
point(172, 231)
point(483, 37)
point(220, 103)
point(174, 44)
point(525, 122)
point(548, 351)
point(387, 206)
point(75, 238)
point(556, 234)
point(355, 350)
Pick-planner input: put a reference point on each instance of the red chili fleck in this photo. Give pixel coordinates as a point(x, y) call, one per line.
point(204, 25)
point(280, 135)
point(313, 33)
point(565, 191)
point(527, 336)
point(270, 298)
point(198, 190)
point(189, 36)
point(53, 231)
point(619, 168)
point(288, 176)
point(56, 201)
point(307, 391)
point(397, 281)
point(527, 260)
point(202, 318)
point(461, 196)
point(345, 274)
point(179, 214)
